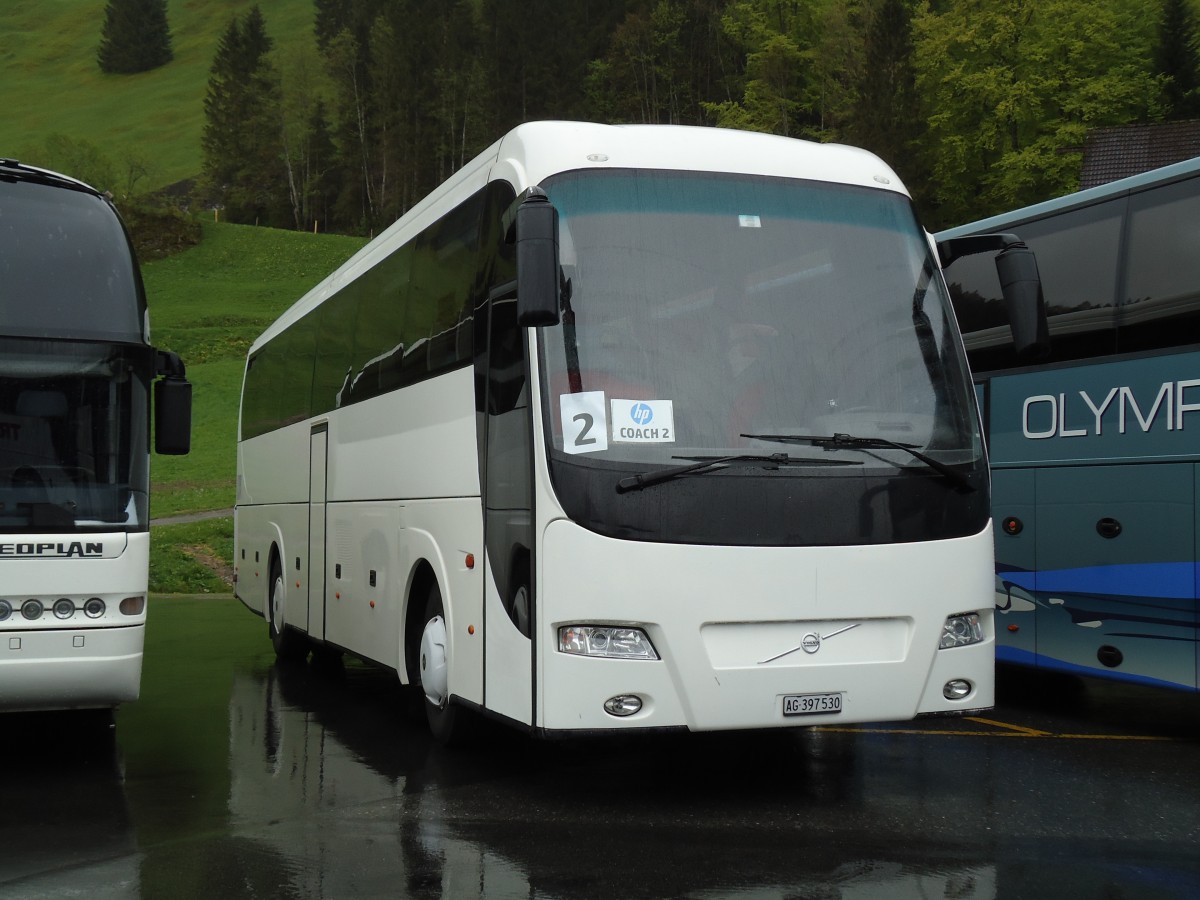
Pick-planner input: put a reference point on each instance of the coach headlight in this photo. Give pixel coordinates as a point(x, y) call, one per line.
point(5, 610)
point(613, 642)
point(960, 630)
point(32, 609)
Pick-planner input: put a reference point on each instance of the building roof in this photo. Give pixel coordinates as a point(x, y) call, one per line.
point(1120, 151)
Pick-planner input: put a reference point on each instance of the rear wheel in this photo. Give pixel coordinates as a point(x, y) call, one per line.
point(289, 644)
point(450, 724)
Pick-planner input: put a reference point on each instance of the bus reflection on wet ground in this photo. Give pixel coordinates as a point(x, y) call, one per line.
point(234, 777)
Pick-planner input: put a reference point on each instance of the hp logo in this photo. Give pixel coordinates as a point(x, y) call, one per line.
point(641, 413)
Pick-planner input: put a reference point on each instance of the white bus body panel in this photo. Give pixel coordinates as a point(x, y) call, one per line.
point(395, 497)
point(716, 614)
point(77, 663)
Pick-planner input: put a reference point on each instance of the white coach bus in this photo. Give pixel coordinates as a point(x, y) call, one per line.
point(76, 369)
point(631, 428)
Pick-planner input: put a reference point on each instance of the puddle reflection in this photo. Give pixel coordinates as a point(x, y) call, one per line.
point(350, 800)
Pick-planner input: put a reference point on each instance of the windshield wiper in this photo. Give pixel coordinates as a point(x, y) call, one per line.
point(713, 463)
point(850, 442)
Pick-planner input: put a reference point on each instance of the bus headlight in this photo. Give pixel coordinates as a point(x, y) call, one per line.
point(614, 642)
point(960, 630)
point(32, 609)
point(5, 610)
point(64, 608)
point(94, 608)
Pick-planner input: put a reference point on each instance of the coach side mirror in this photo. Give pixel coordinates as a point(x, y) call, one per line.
point(538, 275)
point(1021, 285)
point(172, 406)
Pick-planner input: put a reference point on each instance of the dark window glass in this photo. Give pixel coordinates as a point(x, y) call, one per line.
point(293, 358)
point(1161, 306)
point(73, 436)
point(66, 268)
point(378, 342)
point(408, 317)
point(439, 300)
point(335, 352)
point(1077, 255)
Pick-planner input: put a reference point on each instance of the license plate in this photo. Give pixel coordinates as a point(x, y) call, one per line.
point(811, 704)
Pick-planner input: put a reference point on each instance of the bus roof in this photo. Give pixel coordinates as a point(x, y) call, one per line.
point(532, 152)
point(1132, 184)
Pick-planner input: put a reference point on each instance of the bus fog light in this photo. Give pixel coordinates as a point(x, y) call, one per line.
point(32, 609)
point(64, 608)
point(960, 630)
point(5, 610)
point(133, 606)
point(623, 705)
point(613, 642)
point(94, 608)
point(957, 689)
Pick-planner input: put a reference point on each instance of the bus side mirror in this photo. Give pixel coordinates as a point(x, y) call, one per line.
point(172, 407)
point(538, 276)
point(1021, 285)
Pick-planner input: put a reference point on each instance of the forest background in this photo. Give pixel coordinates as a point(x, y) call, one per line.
point(338, 115)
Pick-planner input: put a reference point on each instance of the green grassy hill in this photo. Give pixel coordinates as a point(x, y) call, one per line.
point(53, 85)
point(208, 304)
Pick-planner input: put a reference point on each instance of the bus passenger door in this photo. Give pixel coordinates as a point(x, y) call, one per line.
point(317, 471)
point(509, 586)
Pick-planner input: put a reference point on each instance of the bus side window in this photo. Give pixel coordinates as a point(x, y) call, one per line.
point(1161, 303)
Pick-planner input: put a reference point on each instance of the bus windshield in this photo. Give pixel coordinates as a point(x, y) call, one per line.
point(73, 442)
point(66, 269)
point(711, 315)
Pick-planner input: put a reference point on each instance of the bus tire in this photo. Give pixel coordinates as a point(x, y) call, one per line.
point(448, 723)
point(289, 644)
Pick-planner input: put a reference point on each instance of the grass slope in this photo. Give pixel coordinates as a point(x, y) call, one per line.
point(208, 304)
point(53, 84)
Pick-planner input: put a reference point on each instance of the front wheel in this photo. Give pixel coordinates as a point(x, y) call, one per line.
point(289, 644)
point(449, 724)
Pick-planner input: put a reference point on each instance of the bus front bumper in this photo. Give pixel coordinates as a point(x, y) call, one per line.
point(763, 637)
point(70, 668)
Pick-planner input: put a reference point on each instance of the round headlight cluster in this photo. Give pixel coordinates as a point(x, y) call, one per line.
point(64, 608)
point(32, 609)
point(94, 608)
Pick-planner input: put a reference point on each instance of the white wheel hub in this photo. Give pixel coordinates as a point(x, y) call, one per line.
point(277, 604)
point(435, 679)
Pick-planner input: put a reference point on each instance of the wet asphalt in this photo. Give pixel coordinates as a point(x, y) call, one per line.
point(232, 777)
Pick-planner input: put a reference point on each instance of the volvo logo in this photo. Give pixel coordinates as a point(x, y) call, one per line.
point(810, 643)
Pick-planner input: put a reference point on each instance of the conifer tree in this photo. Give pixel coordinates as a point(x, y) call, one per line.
point(242, 141)
point(1175, 57)
point(135, 36)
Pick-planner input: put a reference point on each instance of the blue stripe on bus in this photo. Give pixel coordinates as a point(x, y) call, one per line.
point(1175, 580)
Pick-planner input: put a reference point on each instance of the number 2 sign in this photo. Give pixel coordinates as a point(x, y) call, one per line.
point(584, 422)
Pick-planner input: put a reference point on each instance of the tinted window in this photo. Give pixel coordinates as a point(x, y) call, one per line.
point(444, 270)
point(66, 269)
point(1077, 254)
point(1162, 286)
point(406, 319)
point(379, 346)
